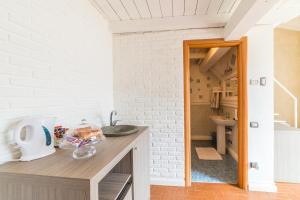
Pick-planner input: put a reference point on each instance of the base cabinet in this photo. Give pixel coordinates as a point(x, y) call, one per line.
point(141, 182)
point(122, 173)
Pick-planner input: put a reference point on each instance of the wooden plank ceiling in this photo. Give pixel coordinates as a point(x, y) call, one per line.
point(235, 16)
point(124, 10)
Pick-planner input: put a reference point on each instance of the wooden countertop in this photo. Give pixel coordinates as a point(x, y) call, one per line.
point(62, 164)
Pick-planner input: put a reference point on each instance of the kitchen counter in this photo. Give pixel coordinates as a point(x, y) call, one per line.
point(89, 172)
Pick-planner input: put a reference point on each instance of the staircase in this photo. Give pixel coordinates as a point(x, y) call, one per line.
point(286, 143)
point(279, 122)
point(290, 95)
point(286, 153)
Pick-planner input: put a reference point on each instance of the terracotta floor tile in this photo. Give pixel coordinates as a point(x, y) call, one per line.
point(206, 191)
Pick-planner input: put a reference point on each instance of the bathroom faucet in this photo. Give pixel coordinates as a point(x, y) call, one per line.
point(113, 122)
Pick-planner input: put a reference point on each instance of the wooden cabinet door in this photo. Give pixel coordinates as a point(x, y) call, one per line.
point(141, 168)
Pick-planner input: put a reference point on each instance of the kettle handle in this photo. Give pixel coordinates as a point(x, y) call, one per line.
point(47, 135)
point(18, 130)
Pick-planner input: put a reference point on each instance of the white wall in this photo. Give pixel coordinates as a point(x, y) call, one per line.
point(148, 89)
point(201, 85)
point(55, 59)
point(261, 108)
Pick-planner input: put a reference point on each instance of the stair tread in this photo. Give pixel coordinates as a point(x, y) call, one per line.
point(280, 121)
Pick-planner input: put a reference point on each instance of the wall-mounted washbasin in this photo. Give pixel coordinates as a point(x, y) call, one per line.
point(221, 122)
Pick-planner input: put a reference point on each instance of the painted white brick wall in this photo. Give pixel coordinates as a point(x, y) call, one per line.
point(55, 59)
point(148, 90)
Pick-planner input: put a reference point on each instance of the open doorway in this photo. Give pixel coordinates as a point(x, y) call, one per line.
point(215, 86)
point(286, 101)
point(213, 105)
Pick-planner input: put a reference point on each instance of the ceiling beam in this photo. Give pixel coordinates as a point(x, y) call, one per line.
point(283, 12)
point(212, 57)
point(291, 25)
point(247, 14)
point(197, 55)
point(172, 23)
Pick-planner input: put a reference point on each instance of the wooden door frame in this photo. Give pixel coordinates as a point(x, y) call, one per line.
point(242, 104)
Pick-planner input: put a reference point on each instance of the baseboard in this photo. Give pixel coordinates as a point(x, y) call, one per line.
point(201, 137)
point(167, 182)
point(262, 186)
point(233, 153)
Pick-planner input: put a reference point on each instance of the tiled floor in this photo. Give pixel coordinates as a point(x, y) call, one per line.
point(212, 171)
point(218, 191)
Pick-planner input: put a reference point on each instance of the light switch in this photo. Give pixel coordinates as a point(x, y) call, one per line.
point(254, 124)
point(254, 82)
point(263, 81)
point(254, 165)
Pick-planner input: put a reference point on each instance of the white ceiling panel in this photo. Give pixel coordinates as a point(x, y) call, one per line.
point(155, 9)
point(169, 23)
point(107, 9)
point(226, 6)
point(166, 8)
point(125, 10)
point(178, 7)
point(119, 8)
point(143, 8)
point(131, 7)
point(202, 7)
point(190, 7)
point(235, 5)
point(126, 15)
point(214, 7)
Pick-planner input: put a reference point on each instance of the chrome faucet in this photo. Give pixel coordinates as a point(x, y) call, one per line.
point(113, 122)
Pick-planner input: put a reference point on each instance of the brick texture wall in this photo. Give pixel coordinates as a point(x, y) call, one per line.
point(55, 59)
point(148, 90)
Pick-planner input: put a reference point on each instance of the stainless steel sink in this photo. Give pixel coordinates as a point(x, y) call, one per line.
point(119, 130)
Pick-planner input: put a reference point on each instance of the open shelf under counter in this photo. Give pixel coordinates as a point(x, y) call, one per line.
point(112, 186)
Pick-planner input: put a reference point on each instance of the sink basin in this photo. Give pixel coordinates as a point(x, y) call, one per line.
point(119, 130)
point(221, 120)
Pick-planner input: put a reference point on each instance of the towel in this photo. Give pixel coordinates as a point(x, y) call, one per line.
point(215, 100)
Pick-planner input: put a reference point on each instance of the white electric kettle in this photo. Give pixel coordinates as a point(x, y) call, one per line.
point(35, 137)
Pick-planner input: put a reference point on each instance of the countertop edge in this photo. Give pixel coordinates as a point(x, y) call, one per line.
point(98, 177)
point(101, 174)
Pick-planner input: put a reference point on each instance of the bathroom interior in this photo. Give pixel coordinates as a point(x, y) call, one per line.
point(214, 108)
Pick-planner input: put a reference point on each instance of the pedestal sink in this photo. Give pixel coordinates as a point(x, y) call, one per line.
point(221, 122)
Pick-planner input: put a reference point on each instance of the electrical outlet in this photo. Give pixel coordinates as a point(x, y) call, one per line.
point(254, 124)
